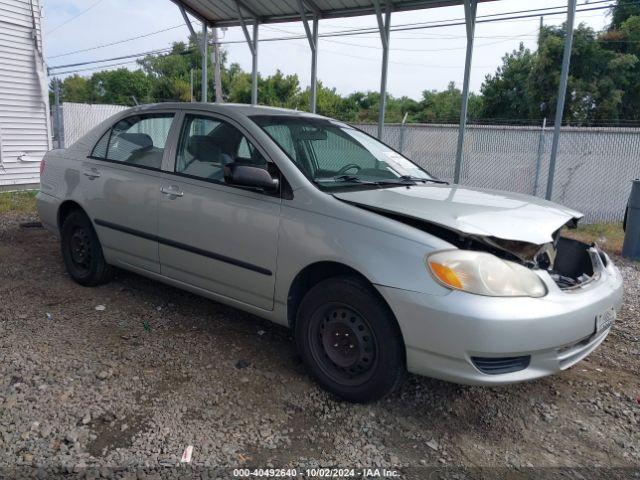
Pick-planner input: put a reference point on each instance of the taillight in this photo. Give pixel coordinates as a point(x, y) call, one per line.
point(41, 167)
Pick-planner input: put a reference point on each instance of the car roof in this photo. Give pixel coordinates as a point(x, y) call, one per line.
point(228, 108)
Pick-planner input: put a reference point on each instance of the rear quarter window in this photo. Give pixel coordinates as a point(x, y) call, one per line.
point(100, 150)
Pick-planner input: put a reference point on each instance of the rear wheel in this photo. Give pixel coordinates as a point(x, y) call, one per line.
point(82, 252)
point(349, 340)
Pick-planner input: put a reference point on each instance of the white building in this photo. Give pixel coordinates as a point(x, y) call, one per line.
point(25, 130)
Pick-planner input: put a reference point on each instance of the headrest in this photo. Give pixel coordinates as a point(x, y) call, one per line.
point(142, 140)
point(204, 149)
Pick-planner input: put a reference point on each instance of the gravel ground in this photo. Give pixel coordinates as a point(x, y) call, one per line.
point(125, 376)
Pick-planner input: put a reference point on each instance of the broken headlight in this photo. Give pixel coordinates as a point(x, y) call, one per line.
point(484, 274)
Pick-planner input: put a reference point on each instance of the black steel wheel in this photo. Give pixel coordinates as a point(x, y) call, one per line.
point(82, 252)
point(343, 343)
point(350, 340)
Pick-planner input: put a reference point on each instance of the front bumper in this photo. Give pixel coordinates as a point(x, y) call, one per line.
point(443, 333)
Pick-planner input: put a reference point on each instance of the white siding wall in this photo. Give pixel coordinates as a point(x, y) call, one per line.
point(24, 104)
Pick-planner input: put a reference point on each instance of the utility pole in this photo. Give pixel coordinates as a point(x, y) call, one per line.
point(205, 60)
point(192, 85)
point(58, 117)
point(562, 92)
point(217, 60)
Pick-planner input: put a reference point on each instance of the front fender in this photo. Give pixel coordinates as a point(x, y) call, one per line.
point(384, 258)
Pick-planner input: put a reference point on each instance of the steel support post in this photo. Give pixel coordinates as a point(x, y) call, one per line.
point(384, 27)
point(562, 92)
point(314, 65)
point(470, 8)
point(205, 60)
point(312, 37)
point(253, 47)
point(254, 66)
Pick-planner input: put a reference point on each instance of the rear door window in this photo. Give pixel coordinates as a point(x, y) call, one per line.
point(138, 140)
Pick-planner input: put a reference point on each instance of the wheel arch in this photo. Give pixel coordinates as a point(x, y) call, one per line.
point(66, 208)
point(316, 272)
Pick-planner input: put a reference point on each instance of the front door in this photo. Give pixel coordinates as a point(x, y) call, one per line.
point(212, 235)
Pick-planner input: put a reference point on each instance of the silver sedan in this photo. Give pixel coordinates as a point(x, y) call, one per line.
point(377, 266)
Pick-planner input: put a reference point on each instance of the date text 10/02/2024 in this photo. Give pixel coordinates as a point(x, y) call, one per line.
point(316, 472)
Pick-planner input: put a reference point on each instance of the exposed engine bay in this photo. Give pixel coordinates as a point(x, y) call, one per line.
point(568, 261)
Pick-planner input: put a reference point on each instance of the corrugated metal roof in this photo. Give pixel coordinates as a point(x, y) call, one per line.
point(225, 13)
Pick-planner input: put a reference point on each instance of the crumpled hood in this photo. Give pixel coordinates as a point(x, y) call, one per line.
point(474, 211)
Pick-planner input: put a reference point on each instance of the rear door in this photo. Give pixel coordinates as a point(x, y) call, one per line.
point(121, 182)
point(212, 235)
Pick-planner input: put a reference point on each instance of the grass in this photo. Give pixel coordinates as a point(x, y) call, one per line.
point(609, 236)
point(18, 202)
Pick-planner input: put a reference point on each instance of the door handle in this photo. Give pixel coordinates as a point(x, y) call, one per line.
point(172, 191)
point(92, 174)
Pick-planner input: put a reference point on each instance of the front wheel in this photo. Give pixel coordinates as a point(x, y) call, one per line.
point(349, 340)
point(82, 252)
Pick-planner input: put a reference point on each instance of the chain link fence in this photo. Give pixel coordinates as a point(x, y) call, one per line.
point(78, 118)
point(594, 167)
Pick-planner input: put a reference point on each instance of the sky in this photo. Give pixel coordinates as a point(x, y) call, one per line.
point(426, 59)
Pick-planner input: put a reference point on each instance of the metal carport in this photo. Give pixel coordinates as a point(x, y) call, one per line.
point(252, 13)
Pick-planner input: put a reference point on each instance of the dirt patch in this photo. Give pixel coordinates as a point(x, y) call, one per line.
point(176, 370)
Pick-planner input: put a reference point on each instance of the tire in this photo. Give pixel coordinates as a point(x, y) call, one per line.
point(82, 252)
point(349, 340)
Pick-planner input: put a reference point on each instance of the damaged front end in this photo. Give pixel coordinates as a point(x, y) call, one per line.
point(570, 263)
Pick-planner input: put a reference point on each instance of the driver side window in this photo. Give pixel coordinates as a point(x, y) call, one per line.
point(207, 144)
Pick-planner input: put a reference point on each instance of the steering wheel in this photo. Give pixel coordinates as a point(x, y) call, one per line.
point(348, 167)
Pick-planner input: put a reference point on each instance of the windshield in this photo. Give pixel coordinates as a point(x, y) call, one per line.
point(335, 155)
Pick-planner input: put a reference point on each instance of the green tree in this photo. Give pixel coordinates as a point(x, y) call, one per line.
point(598, 77)
point(170, 74)
point(622, 11)
point(120, 87)
point(603, 83)
point(444, 107)
point(75, 89)
point(329, 103)
point(506, 93)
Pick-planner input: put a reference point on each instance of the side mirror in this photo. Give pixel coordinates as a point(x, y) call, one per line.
point(250, 176)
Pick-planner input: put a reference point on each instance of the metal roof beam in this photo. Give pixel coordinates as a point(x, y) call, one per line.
point(312, 37)
point(285, 12)
point(245, 30)
point(241, 4)
point(305, 23)
point(253, 47)
point(313, 6)
point(187, 21)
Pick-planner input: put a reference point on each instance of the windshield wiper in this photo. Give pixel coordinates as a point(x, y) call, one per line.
point(344, 178)
point(403, 180)
point(423, 180)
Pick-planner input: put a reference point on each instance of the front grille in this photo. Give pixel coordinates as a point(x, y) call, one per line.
point(498, 365)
